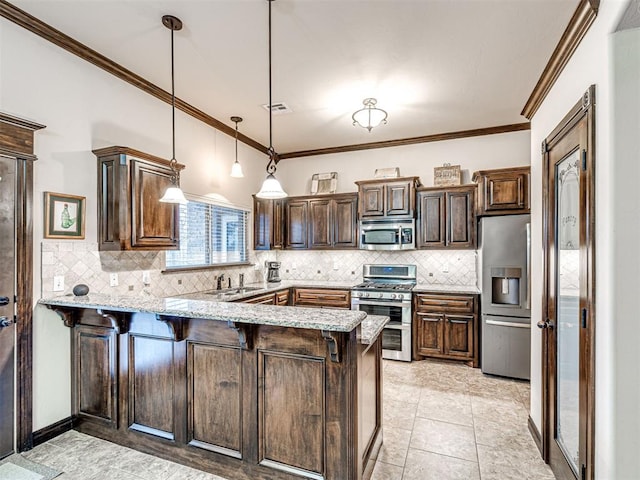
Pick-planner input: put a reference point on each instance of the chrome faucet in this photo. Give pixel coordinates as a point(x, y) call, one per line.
point(220, 279)
point(241, 280)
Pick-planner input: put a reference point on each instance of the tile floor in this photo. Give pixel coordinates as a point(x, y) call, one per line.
point(442, 421)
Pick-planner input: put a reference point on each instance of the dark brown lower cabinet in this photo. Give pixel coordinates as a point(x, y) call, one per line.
point(446, 326)
point(238, 400)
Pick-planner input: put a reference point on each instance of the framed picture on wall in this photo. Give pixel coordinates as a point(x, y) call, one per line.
point(63, 216)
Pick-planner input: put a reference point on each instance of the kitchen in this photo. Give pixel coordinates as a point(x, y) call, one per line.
point(134, 119)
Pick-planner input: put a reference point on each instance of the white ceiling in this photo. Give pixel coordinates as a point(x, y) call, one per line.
point(436, 66)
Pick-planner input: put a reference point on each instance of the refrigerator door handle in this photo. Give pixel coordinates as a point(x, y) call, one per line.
point(527, 301)
point(507, 324)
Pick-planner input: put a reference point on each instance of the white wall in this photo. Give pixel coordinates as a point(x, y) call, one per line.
point(616, 458)
point(472, 154)
point(85, 108)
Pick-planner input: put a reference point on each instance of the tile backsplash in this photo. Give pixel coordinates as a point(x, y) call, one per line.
point(81, 262)
point(434, 266)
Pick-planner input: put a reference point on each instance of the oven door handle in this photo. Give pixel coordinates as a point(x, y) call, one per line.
point(382, 303)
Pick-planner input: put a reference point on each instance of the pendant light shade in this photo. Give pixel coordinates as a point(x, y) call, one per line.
point(173, 194)
point(271, 187)
point(236, 168)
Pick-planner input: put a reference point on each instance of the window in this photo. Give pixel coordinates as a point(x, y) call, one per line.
point(210, 234)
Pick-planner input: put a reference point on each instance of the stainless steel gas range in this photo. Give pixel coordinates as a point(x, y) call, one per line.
point(386, 290)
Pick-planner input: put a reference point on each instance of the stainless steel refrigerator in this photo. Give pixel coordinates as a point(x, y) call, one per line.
point(505, 296)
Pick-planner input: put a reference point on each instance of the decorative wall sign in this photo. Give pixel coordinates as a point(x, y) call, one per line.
point(324, 183)
point(390, 172)
point(446, 176)
point(63, 216)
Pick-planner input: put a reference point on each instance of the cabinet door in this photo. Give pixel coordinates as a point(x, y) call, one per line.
point(312, 297)
point(399, 198)
point(372, 200)
point(262, 223)
point(262, 299)
point(297, 227)
point(506, 191)
point(153, 224)
point(320, 223)
point(458, 340)
point(431, 219)
point(461, 225)
point(345, 222)
point(277, 224)
point(430, 333)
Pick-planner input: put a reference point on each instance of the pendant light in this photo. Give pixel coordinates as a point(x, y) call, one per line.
point(236, 168)
point(173, 193)
point(271, 187)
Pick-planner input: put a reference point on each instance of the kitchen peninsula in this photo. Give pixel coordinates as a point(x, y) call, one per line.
point(243, 391)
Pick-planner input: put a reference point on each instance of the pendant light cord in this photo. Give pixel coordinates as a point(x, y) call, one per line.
point(271, 166)
point(173, 105)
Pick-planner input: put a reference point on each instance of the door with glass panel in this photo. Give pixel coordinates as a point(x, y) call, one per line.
point(569, 314)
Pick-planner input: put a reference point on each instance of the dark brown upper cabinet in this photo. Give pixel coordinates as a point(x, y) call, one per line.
point(130, 215)
point(268, 223)
point(446, 217)
point(387, 198)
point(504, 191)
point(326, 222)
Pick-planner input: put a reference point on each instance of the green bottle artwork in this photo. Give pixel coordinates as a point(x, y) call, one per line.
point(66, 220)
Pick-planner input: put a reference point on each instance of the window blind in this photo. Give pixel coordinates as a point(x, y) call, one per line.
point(210, 234)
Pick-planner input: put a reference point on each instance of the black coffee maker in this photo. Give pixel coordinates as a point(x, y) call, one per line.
point(273, 272)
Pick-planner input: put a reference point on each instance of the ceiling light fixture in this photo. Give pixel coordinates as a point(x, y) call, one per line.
point(271, 187)
point(173, 193)
point(370, 116)
point(236, 168)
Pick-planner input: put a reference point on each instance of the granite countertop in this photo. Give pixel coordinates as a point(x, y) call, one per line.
point(371, 328)
point(441, 288)
point(297, 317)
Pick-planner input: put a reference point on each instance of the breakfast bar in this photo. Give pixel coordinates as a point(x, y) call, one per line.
point(242, 391)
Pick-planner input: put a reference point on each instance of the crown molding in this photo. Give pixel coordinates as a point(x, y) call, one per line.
point(578, 27)
point(477, 132)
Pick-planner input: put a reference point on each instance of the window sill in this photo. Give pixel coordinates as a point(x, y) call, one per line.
point(217, 266)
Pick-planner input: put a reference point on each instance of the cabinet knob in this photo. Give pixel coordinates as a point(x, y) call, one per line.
point(5, 322)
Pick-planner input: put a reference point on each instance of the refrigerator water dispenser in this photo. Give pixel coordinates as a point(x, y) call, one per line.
point(505, 286)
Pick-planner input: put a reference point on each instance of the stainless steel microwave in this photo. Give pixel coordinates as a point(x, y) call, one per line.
point(387, 234)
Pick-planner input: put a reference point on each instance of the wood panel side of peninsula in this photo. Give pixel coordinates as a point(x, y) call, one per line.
point(243, 402)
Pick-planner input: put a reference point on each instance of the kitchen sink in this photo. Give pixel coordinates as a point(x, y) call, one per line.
point(232, 291)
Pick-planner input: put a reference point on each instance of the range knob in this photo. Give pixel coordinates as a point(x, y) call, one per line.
point(393, 295)
point(380, 295)
point(365, 294)
point(400, 296)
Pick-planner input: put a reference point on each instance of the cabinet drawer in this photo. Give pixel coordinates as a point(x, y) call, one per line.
point(444, 303)
point(306, 297)
point(282, 297)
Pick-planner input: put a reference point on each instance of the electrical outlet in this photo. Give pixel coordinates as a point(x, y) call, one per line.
point(113, 279)
point(445, 268)
point(58, 283)
point(146, 277)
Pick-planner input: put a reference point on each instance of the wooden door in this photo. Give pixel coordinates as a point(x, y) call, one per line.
point(320, 220)
point(372, 200)
point(7, 293)
point(431, 219)
point(461, 220)
point(297, 224)
point(153, 224)
point(345, 222)
point(399, 198)
point(569, 315)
